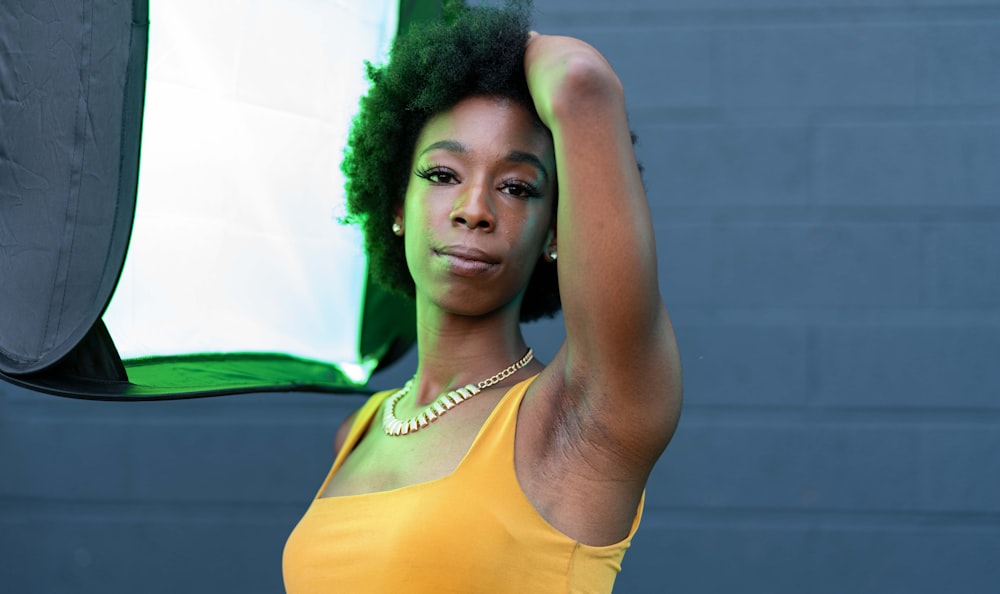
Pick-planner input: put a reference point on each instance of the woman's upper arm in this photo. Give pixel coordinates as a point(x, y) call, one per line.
point(620, 346)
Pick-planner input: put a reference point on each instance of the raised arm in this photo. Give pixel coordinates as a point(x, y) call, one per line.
point(620, 360)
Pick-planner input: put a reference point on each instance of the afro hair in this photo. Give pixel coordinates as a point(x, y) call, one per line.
point(473, 51)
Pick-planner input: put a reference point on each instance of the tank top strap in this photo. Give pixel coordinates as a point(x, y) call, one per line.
point(491, 456)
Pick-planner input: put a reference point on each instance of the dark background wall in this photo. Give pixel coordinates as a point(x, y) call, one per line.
point(824, 180)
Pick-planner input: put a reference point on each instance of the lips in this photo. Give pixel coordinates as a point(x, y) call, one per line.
point(467, 261)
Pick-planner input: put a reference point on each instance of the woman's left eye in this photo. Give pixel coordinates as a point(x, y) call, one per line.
point(519, 189)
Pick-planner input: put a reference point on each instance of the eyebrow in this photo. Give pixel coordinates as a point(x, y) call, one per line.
point(530, 159)
point(454, 146)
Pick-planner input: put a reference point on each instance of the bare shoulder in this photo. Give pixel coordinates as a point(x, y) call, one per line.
point(342, 432)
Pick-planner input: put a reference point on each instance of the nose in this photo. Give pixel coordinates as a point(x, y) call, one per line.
point(474, 208)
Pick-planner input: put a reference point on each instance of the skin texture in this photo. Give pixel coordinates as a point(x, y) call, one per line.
point(601, 412)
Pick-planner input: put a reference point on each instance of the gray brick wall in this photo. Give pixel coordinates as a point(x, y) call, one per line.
point(151, 497)
point(826, 195)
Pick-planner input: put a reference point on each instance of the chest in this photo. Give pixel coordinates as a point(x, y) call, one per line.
point(381, 462)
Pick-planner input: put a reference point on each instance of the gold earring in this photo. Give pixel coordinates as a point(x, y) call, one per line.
point(553, 255)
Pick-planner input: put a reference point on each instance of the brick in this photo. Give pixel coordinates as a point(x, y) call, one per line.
point(960, 467)
point(861, 64)
point(683, 263)
point(815, 554)
point(140, 459)
point(837, 265)
point(86, 552)
point(963, 265)
point(719, 165)
point(896, 164)
point(744, 367)
point(910, 367)
point(961, 64)
point(801, 465)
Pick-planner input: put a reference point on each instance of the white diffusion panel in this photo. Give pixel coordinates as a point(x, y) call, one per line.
point(236, 245)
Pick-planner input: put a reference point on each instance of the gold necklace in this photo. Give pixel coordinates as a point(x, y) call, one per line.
point(443, 403)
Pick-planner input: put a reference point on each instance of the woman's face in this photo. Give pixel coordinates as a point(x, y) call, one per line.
point(479, 204)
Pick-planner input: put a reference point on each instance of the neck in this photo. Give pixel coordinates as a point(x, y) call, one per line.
point(456, 350)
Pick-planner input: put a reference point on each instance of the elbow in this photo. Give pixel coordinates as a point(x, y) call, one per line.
point(588, 81)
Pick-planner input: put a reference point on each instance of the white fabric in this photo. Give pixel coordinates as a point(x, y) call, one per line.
point(236, 245)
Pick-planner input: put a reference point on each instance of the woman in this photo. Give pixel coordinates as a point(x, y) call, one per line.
point(485, 159)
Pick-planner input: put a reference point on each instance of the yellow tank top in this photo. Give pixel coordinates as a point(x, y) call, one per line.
point(471, 531)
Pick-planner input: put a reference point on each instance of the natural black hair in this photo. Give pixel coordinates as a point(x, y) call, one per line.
point(472, 51)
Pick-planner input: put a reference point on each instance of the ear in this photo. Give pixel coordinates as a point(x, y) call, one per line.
point(550, 248)
point(397, 221)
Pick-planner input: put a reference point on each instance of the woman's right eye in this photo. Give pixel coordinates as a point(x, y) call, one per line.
point(438, 175)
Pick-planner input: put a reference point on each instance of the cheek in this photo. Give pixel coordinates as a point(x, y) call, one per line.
point(531, 233)
point(540, 220)
point(421, 208)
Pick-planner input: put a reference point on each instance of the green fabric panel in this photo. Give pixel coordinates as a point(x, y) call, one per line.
point(202, 375)
point(196, 376)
